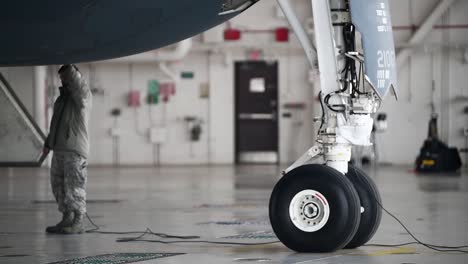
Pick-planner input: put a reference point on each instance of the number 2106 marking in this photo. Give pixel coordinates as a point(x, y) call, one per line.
point(386, 58)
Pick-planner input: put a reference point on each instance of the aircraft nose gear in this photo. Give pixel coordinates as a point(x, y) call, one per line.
point(309, 210)
point(322, 208)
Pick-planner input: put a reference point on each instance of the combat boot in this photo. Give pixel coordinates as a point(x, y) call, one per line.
point(76, 227)
point(67, 220)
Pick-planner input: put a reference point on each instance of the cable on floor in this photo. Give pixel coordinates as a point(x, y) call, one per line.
point(196, 241)
point(188, 239)
point(148, 231)
point(409, 243)
point(96, 230)
point(439, 248)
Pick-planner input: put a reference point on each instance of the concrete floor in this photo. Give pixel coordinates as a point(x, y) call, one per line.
point(184, 200)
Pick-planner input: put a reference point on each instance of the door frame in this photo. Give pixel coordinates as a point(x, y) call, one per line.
point(237, 64)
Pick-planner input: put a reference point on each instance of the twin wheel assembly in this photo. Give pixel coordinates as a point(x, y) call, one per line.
point(315, 208)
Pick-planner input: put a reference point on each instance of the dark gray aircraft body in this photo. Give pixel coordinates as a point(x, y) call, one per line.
point(59, 31)
point(45, 32)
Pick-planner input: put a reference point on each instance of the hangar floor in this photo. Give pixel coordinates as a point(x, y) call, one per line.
point(218, 204)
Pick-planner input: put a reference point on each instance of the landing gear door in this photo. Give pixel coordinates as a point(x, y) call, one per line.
point(21, 140)
point(372, 20)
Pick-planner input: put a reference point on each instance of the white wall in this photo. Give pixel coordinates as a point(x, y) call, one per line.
point(216, 145)
point(217, 141)
point(135, 122)
point(21, 78)
point(214, 65)
point(409, 116)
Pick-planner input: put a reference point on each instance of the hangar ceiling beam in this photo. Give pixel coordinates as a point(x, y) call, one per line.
point(423, 30)
point(301, 34)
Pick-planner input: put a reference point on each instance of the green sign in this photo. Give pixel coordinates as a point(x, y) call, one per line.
point(153, 92)
point(187, 75)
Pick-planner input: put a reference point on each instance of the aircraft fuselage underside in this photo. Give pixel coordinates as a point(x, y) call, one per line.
point(58, 32)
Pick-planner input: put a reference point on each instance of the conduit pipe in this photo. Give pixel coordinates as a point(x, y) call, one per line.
point(305, 41)
point(170, 73)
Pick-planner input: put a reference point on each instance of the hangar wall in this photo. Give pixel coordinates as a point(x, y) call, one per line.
point(440, 58)
point(21, 79)
point(212, 65)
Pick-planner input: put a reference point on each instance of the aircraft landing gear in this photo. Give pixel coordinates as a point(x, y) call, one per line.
point(371, 210)
point(323, 208)
point(315, 208)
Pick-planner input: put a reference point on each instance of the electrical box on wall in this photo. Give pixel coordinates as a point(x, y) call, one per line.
point(204, 90)
point(153, 92)
point(134, 99)
point(166, 90)
point(194, 125)
point(116, 112)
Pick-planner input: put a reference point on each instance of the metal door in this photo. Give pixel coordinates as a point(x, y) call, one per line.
point(256, 85)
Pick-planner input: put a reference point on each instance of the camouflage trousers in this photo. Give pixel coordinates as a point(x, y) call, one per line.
point(68, 176)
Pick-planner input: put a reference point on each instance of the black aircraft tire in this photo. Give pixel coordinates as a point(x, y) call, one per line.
point(326, 188)
point(370, 201)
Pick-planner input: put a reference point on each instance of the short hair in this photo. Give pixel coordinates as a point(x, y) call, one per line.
point(67, 67)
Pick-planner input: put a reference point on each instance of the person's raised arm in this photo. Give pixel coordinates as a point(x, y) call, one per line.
point(78, 88)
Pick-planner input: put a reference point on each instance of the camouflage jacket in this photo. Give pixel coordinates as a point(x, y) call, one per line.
point(69, 126)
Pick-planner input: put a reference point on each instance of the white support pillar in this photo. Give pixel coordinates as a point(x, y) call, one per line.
point(423, 30)
point(39, 91)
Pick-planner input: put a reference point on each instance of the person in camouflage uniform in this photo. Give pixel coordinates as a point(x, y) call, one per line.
point(68, 138)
